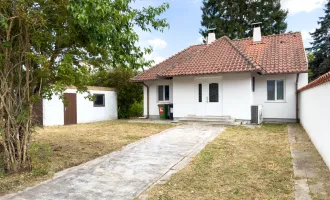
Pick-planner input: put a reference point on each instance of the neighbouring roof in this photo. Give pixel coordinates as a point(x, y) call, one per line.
point(283, 53)
point(322, 79)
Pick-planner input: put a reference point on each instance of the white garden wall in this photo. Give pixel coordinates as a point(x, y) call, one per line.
point(315, 117)
point(53, 110)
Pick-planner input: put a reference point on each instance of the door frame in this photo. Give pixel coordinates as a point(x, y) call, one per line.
point(70, 117)
point(205, 81)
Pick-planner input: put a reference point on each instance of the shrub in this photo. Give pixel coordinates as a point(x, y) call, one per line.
point(136, 109)
point(39, 154)
point(127, 91)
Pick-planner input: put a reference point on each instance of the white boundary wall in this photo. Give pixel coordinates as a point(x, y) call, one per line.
point(53, 110)
point(315, 117)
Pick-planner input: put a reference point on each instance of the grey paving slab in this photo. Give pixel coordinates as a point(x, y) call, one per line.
point(126, 173)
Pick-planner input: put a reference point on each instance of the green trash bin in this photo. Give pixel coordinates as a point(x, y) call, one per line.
point(162, 111)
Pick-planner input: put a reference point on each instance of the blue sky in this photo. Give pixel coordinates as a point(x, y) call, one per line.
point(184, 17)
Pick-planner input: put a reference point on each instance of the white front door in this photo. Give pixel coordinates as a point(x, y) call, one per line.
point(209, 96)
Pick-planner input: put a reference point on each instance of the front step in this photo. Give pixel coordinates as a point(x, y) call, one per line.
point(211, 120)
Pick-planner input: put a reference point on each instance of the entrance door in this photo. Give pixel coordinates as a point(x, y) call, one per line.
point(209, 97)
point(70, 112)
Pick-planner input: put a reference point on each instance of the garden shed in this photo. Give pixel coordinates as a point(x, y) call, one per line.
point(79, 110)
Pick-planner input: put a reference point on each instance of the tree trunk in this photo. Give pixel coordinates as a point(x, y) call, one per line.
point(17, 92)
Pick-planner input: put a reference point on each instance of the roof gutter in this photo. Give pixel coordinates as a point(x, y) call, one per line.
point(147, 99)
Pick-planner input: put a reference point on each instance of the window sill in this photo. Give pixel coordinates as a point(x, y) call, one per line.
point(164, 102)
point(275, 102)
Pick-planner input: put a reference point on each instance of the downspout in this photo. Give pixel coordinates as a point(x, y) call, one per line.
point(147, 99)
point(297, 99)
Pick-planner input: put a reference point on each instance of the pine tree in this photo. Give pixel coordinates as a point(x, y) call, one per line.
point(321, 45)
point(233, 18)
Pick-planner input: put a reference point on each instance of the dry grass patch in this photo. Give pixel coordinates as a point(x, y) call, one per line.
point(76, 144)
point(241, 163)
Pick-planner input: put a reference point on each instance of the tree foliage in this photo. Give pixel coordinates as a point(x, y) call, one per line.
point(48, 45)
point(321, 46)
point(233, 18)
point(128, 93)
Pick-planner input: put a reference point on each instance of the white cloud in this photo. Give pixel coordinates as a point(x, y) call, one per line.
point(158, 59)
point(157, 43)
point(200, 40)
point(307, 38)
point(296, 6)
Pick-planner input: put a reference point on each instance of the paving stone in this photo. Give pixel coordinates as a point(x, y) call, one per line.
point(126, 173)
point(302, 190)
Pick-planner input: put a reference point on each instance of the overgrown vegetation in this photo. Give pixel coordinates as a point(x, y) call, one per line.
point(73, 145)
point(39, 154)
point(48, 45)
point(241, 163)
point(129, 94)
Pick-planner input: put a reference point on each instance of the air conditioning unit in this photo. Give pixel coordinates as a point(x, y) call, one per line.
point(256, 114)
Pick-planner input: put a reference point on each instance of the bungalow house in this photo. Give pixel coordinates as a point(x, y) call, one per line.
point(227, 77)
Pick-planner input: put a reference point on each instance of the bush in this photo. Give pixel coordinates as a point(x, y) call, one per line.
point(136, 110)
point(127, 92)
point(39, 154)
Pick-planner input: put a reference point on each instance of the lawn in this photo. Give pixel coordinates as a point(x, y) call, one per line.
point(241, 163)
point(76, 144)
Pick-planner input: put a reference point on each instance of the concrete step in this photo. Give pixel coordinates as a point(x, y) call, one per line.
point(190, 119)
point(222, 123)
point(208, 117)
point(212, 120)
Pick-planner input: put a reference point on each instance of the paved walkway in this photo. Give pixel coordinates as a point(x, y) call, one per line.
point(125, 174)
point(312, 176)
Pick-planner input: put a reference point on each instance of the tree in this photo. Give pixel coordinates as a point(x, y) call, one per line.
point(233, 18)
point(127, 92)
point(321, 45)
point(310, 58)
point(48, 45)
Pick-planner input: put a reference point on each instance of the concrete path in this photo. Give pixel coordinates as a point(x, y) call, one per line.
point(127, 173)
point(312, 177)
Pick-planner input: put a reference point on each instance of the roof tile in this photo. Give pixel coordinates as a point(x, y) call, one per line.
point(283, 53)
point(322, 79)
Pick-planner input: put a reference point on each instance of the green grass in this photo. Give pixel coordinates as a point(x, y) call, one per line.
point(241, 163)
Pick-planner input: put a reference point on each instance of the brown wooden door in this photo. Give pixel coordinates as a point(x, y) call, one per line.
point(70, 112)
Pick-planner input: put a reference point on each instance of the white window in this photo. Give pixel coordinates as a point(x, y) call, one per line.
point(275, 90)
point(99, 100)
point(163, 93)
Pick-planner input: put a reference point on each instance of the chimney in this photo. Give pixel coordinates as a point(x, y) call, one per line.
point(211, 35)
point(256, 33)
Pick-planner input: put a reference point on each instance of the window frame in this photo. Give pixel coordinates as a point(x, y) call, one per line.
point(218, 87)
point(200, 93)
point(275, 91)
point(99, 105)
point(164, 93)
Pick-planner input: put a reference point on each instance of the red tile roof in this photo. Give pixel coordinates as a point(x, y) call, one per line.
point(156, 71)
point(322, 79)
point(283, 53)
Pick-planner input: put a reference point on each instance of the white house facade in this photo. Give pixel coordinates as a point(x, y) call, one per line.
point(235, 93)
point(226, 77)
